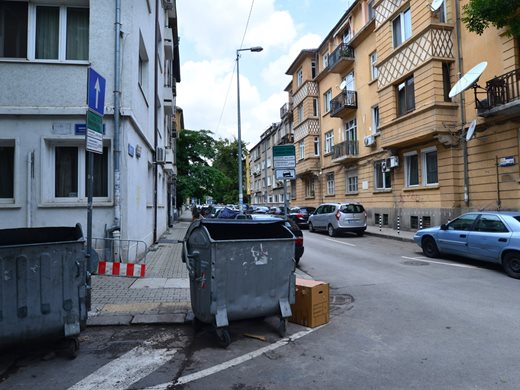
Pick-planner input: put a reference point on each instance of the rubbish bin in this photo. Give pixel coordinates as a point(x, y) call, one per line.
point(43, 286)
point(240, 269)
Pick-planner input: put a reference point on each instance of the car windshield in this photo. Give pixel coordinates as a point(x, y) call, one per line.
point(352, 208)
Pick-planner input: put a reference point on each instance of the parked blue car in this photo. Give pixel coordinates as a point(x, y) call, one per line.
point(486, 236)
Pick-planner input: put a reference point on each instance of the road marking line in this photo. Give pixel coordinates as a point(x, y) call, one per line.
point(340, 242)
point(438, 262)
point(127, 369)
point(234, 362)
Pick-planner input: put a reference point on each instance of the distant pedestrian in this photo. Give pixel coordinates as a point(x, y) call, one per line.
point(195, 214)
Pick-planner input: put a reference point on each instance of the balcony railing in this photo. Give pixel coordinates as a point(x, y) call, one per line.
point(502, 93)
point(343, 54)
point(347, 100)
point(345, 149)
point(285, 110)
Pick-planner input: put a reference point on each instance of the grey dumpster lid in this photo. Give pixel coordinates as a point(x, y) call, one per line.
point(40, 235)
point(242, 229)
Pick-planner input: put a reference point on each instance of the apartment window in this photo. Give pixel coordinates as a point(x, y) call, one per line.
point(411, 169)
point(405, 97)
point(313, 69)
point(316, 146)
point(309, 187)
point(402, 27)
point(375, 119)
point(68, 180)
point(57, 32)
point(441, 13)
point(329, 141)
point(300, 113)
point(325, 60)
point(142, 69)
point(6, 173)
point(352, 182)
point(446, 82)
point(347, 35)
point(301, 147)
point(383, 178)
point(327, 98)
point(299, 77)
point(351, 130)
point(314, 106)
point(373, 66)
point(330, 183)
point(371, 12)
point(430, 168)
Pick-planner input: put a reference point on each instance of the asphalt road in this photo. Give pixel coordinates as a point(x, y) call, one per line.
point(398, 321)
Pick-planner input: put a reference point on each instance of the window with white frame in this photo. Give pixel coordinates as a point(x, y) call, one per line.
point(327, 98)
point(375, 119)
point(301, 147)
point(405, 96)
point(330, 183)
point(329, 141)
point(382, 175)
point(7, 173)
point(325, 60)
point(429, 166)
point(316, 146)
point(402, 27)
point(441, 13)
point(313, 69)
point(411, 169)
point(373, 66)
point(43, 32)
point(371, 12)
point(142, 76)
point(269, 162)
point(268, 180)
point(68, 175)
point(300, 113)
point(352, 181)
point(299, 77)
point(309, 187)
point(347, 35)
point(314, 106)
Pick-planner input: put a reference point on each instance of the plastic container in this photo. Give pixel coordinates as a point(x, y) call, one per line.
point(43, 286)
point(240, 269)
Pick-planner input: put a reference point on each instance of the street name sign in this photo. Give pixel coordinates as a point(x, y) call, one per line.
point(94, 133)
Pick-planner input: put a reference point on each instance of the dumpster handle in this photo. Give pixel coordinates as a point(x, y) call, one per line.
point(189, 257)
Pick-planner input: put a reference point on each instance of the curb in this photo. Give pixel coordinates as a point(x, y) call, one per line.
point(391, 237)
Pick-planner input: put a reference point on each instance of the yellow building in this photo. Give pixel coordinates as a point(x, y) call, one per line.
point(374, 123)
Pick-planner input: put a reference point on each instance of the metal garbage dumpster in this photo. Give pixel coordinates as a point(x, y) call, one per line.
point(42, 286)
point(240, 269)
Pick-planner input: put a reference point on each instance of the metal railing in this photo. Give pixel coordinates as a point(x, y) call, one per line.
point(500, 90)
point(344, 149)
point(284, 110)
point(346, 99)
point(120, 251)
point(342, 51)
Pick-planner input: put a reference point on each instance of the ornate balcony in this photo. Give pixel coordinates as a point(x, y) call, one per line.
point(341, 58)
point(347, 150)
point(343, 104)
point(307, 166)
point(502, 96)
point(286, 111)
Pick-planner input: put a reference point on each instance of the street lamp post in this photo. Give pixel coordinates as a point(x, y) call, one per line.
point(240, 193)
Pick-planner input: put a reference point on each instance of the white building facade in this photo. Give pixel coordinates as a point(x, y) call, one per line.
point(46, 49)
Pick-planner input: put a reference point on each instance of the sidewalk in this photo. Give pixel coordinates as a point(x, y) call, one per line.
point(163, 295)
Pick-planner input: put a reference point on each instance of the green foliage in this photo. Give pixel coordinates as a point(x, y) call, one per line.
point(477, 15)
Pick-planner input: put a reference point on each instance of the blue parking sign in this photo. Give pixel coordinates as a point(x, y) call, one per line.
point(96, 92)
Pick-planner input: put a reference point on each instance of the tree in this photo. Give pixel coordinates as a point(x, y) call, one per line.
point(477, 15)
point(226, 162)
point(195, 175)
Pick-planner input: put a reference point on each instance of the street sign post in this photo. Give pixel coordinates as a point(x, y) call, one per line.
point(284, 163)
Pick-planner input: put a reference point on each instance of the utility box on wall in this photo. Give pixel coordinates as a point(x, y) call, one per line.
point(311, 307)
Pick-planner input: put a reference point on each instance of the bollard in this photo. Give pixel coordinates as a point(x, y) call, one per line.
point(420, 223)
point(380, 221)
point(398, 230)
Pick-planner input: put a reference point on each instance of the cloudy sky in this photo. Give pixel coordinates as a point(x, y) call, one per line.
point(210, 33)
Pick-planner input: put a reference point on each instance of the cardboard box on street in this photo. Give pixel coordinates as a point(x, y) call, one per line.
point(311, 307)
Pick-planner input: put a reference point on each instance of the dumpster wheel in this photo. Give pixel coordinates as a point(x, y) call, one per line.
point(282, 327)
point(69, 347)
point(224, 338)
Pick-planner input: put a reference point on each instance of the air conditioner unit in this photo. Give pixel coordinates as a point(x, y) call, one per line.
point(369, 140)
point(392, 162)
point(159, 155)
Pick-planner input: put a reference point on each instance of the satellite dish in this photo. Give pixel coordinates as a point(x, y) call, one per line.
point(343, 84)
point(471, 130)
point(468, 79)
point(436, 4)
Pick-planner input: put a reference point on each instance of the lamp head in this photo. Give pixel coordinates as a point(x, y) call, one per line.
point(256, 48)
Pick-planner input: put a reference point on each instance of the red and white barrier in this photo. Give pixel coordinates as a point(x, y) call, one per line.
point(121, 269)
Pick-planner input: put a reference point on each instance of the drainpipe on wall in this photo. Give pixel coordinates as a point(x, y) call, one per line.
point(117, 116)
point(462, 105)
point(155, 119)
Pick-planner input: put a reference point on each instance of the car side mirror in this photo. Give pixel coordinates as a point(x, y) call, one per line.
point(444, 227)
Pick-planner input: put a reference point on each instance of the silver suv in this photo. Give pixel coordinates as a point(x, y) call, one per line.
point(338, 218)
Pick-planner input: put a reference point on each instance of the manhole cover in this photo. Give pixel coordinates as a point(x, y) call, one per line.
point(415, 262)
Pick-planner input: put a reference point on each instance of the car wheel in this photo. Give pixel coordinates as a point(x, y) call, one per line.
point(511, 264)
point(331, 231)
point(311, 228)
point(429, 247)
